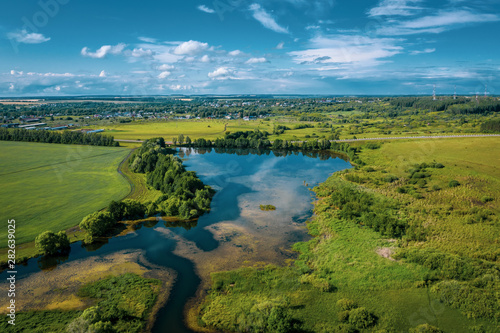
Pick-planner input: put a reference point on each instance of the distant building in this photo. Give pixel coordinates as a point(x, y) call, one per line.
point(12, 125)
point(96, 131)
point(30, 120)
point(32, 125)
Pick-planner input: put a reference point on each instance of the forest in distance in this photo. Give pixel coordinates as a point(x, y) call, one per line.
point(404, 241)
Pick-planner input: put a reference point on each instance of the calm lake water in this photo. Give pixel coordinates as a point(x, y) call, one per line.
point(236, 232)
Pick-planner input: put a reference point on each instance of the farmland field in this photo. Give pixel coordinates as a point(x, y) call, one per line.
point(208, 129)
point(52, 187)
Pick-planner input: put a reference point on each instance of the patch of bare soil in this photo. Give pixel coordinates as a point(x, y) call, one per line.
point(386, 252)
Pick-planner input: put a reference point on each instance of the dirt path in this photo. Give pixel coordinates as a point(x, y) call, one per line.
point(127, 178)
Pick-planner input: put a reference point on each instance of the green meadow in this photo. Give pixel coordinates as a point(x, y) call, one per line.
point(52, 187)
point(439, 267)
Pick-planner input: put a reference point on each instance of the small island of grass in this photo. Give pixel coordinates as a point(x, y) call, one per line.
point(267, 207)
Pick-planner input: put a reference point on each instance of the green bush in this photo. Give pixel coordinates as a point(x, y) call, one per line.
point(390, 179)
point(417, 195)
point(346, 304)
point(361, 318)
point(49, 242)
point(476, 299)
point(267, 207)
point(373, 145)
point(344, 316)
point(453, 183)
point(447, 266)
point(487, 199)
point(402, 190)
point(97, 224)
point(436, 188)
point(127, 209)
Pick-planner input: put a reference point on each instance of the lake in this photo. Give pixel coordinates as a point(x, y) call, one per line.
point(236, 233)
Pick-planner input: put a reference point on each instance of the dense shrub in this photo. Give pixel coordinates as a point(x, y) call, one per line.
point(373, 145)
point(476, 299)
point(491, 126)
point(487, 199)
point(123, 304)
point(360, 318)
point(445, 265)
point(97, 224)
point(390, 179)
point(127, 209)
point(346, 304)
point(364, 208)
point(49, 242)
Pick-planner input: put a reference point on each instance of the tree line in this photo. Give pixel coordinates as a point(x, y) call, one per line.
point(259, 140)
point(481, 107)
point(184, 194)
point(491, 126)
point(66, 137)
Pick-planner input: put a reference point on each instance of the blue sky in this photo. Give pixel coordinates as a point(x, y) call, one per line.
point(333, 47)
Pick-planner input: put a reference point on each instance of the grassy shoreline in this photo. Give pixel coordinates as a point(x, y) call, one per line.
point(349, 260)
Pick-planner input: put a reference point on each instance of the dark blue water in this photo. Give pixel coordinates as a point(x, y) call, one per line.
point(243, 181)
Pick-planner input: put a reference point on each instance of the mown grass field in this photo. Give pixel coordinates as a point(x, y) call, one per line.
point(52, 187)
point(147, 130)
point(140, 190)
point(208, 129)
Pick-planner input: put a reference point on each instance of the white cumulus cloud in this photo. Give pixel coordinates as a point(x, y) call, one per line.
point(235, 53)
point(165, 67)
point(191, 47)
point(221, 73)
point(141, 53)
point(205, 59)
point(256, 61)
point(22, 36)
point(103, 51)
point(164, 75)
